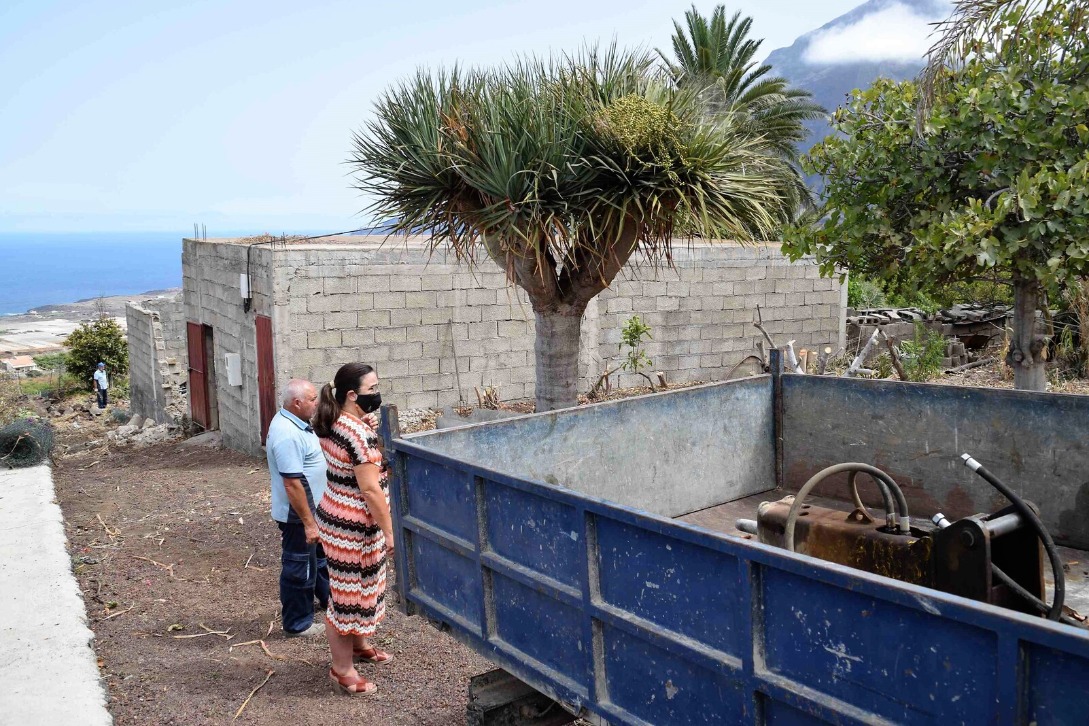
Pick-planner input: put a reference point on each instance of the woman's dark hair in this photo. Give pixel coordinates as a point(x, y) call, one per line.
point(348, 378)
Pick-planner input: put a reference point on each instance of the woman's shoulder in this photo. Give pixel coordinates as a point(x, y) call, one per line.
point(355, 427)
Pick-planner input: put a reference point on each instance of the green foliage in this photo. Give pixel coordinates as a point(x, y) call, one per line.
point(715, 57)
point(54, 362)
point(631, 336)
point(863, 294)
point(922, 356)
point(100, 340)
point(35, 386)
point(1072, 325)
point(643, 129)
point(545, 162)
point(998, 178)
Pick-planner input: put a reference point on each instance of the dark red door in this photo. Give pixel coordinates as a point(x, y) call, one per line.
point(266, 373)
point(198, 378)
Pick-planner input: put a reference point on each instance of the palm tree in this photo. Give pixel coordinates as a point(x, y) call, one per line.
point(715, 58)
point(559, 171)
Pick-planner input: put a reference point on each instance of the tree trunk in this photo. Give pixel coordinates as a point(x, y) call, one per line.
point(1026, 354)
point(557, 356)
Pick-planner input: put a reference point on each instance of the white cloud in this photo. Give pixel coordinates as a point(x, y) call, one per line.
point(894, 33)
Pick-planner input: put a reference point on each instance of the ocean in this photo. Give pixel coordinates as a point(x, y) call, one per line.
point(49, 268)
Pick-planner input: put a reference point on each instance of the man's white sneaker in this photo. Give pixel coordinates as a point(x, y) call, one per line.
point(315, 630)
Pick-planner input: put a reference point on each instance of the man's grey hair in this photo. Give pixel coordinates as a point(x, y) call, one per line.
point(295, 390)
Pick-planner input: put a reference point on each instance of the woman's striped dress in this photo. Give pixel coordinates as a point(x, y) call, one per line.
point(354, 544)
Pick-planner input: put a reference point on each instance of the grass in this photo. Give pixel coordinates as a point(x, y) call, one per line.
point(35, 386)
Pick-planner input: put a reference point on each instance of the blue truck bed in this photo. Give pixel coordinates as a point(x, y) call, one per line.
point(535, 542)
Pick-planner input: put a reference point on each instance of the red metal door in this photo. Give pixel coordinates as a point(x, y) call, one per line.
point(198, 379)
point(266, 373)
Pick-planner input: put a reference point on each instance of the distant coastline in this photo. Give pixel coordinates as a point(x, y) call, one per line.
point(44, 328)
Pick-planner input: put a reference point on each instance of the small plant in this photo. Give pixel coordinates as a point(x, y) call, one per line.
point(631, 336)
point(922, 356)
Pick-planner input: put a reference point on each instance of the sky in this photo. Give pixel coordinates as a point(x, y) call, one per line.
point(129, 115)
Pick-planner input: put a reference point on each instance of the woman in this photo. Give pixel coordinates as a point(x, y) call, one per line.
point(354, 522)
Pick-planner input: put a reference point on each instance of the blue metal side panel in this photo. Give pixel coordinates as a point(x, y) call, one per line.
point(540, 627)
point(662, 687)
point(675, 586)
point(893, 661)
point(448, 581)
point(1051, 696)
point(442, 496)
point(585, 605)
point(780, 714)
point(534, 532)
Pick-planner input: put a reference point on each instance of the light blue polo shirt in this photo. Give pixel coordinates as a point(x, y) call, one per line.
point(293, 452)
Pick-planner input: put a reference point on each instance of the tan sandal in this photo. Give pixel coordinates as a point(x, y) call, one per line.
point(372, 655)
point(356, 686)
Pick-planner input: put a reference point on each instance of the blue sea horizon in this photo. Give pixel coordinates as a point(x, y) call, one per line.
point(52, 268)
point(41, 268)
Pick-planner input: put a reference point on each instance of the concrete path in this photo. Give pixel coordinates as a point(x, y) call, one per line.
point(43, 625)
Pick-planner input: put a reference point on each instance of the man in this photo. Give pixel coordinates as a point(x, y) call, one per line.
point(297, 469)
point(102, 384)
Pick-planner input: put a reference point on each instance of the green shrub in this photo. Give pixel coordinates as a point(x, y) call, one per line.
point(863, 294)
point(51, 362)
point(100, 340)
point(922, 356)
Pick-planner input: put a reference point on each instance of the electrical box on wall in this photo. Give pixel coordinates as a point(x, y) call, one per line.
point(244, 285)
point(234, 369)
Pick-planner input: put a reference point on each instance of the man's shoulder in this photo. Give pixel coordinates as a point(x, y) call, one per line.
point(280, 427)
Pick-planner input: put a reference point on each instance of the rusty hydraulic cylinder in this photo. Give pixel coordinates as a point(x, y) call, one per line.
point(851, 539)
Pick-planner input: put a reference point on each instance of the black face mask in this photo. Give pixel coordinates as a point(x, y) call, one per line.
point(370, 402)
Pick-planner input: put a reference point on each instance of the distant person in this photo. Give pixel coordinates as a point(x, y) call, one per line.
point(102, 385)
point(355, 523)
point(296, 467)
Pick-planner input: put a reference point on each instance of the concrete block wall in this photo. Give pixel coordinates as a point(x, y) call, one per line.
point(143, 363)
point(701, 311)
point(430, 326)
point(211, 287)
point(435, 329)
point(157, 358)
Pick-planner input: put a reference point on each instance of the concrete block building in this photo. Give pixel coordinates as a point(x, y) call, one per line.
point(261, 311)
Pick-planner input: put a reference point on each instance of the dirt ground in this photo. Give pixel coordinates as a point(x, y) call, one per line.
point(170, 542)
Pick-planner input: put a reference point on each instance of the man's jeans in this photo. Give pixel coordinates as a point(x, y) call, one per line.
point(102, 396)
point(304, 574)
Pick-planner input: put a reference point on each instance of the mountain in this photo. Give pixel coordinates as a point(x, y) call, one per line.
point(878, 38)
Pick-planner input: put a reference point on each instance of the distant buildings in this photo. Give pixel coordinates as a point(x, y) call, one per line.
point(19, 364)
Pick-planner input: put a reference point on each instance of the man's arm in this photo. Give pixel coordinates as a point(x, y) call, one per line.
point(289, 461)
point(296, 497)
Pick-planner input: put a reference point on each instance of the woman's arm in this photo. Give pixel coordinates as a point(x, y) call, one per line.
point(366, 476)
